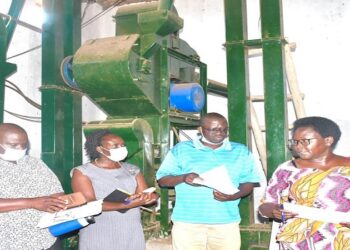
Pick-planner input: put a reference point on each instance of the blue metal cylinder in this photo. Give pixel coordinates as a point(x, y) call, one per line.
point(186, 97)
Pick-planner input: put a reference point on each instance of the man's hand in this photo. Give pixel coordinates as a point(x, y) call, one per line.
point(188, 178)
point(47, 204)
point(224, 197)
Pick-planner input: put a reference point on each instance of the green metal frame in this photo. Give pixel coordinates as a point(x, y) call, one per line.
point(168, 120)
point(6, 33)
point(274, 83)
point(129, 75)
point(3, 49)
point(14, 11)
point(237, 83)
point(61, 106)
point(272, 43)
point(164, 128)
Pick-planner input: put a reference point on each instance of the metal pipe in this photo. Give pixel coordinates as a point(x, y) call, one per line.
point(19, 22)
point(15, 11)
point(274, 83)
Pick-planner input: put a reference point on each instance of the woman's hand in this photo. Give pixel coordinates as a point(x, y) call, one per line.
point(142, 199)
point(275, 211)
point(149, 198)
point(345, 224)
point(279, 213)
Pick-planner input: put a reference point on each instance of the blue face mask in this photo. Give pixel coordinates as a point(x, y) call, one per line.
point(12, 154)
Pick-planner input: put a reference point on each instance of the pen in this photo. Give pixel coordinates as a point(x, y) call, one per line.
point(127, 201)
point(283, 215)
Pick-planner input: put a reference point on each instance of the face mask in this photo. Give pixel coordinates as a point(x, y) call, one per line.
point(203, 139)
point(117, 154)
point(12, 154)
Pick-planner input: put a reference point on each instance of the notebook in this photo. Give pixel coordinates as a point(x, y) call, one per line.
point(118, 195)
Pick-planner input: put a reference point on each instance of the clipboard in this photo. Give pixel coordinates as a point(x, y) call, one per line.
point(90, 209)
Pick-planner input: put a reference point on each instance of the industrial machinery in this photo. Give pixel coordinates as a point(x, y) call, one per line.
point(144, 78)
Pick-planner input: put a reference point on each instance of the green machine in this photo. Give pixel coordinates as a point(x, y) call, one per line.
point(149, 82)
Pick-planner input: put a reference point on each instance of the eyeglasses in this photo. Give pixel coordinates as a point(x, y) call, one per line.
point(304, 142)
point(215, 130)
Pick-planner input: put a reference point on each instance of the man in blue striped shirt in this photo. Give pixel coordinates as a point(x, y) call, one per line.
point(204, 218)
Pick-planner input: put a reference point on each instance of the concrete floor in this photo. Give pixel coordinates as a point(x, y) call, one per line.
point(159, 244)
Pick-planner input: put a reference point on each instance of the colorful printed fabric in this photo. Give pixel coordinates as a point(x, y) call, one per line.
point(311, 187)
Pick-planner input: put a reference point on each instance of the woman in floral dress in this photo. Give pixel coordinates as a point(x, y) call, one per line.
point(317, 178)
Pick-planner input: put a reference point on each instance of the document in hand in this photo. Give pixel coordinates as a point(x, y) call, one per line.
point(90, 209)
point(218, 179)
point(118, 195)
point(312, 213)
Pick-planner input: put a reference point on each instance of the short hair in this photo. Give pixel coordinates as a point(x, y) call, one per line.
point(210, 116)
point(324, 126)
point(12, 126)
point(94, 140)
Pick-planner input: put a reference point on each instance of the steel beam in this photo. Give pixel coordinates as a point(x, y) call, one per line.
point(237, 83)
point(61, 106)
point(14, 11)
point(3, 49)
point(274, 83)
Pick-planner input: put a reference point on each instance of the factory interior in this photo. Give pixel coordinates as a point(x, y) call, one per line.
point(149, 70)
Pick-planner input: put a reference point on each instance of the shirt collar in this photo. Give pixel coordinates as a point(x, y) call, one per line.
point(226, 145)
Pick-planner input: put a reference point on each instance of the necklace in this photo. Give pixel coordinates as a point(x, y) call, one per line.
point(97, 164)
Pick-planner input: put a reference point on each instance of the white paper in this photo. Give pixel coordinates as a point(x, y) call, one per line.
point(149, 190)
point(50, 219)
point(274, 231)
point(318, 214)
point(218, 179)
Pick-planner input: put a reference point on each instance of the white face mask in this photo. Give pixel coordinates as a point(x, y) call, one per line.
point(203, 139)
point(117, 154)
point(12, 154)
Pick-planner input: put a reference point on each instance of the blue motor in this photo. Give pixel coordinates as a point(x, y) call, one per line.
point(187, 97)
point(67, 72)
